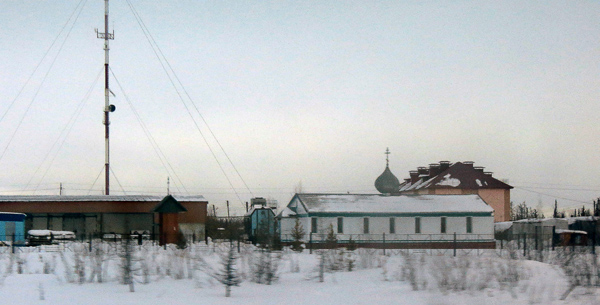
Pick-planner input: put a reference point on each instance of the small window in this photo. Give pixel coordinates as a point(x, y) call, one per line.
point(313, 225)
point(469, 224)
point(366, 225)
point(340, 225)
point(443, 225)
point(417, 225)
point(392, 225)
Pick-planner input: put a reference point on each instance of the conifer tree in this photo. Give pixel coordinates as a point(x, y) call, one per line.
point(228, 275)
point(297, 236)
point(331, 240)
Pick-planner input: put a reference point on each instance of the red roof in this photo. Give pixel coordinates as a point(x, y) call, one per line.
point(458, 175)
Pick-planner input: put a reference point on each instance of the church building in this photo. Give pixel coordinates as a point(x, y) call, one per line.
point(400, 220)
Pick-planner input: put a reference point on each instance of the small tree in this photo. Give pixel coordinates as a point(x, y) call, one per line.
point(228, 275)
point(297, 236)
point(127, 263)
point(331, 240)
point(264, 268)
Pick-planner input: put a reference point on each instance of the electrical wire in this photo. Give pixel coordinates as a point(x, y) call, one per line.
point(68, 128)
point(99, 174)
point(150, 138)
point(41, 60)
point(155, 47)
point(41, 84)
point(119, 183)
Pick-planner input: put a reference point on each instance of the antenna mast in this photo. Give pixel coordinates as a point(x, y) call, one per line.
point(107, 106)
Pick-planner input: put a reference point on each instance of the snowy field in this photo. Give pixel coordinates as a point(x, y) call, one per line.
point(193, 275)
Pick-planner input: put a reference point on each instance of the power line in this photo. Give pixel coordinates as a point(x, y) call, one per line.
point(42, 59)
point(41, 84)
point(550, 195)
point(150, 138)
point(68, 127)
point(156, 49)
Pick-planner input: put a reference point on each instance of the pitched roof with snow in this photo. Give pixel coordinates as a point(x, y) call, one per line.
point(54, 198)
point(373, 204)
point(458, 175)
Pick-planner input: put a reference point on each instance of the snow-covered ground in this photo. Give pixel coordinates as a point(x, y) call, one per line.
point(190, 276)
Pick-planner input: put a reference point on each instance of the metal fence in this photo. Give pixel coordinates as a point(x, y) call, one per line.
point(393, 238)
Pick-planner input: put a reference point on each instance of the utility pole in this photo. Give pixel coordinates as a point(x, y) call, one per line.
point(107, 106)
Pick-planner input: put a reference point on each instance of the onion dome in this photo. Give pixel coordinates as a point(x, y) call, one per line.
point(387, 183)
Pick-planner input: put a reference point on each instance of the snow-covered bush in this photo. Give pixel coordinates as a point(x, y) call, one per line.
point(265, 265)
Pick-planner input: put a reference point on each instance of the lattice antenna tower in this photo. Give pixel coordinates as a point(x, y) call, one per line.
point(108, 108)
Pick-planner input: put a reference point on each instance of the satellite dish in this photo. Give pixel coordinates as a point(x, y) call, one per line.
point(112, 108)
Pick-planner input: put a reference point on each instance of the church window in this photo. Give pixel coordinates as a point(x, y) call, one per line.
point(469, 224)
point(366, 225)
point(340, 224)
point(313, 225)
point(443, 225)
point(392, 225)
point(417, 225)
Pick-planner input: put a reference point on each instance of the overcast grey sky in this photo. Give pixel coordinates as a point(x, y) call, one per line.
point(310, 91)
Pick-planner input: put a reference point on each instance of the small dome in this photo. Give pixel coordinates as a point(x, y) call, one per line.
point(387, 183)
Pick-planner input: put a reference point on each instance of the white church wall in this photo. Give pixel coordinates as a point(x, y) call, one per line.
point(483, 225)
point(404, 227)
point(287, 225)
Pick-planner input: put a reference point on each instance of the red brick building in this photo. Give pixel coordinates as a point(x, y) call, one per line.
point(86, 215)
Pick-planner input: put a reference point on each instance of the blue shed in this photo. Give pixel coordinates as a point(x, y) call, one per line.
point(260, 223)
point(12, 224)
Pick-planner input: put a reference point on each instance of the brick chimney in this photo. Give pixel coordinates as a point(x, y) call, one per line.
point(488, 173)
point(434, 169)
point(444, 165)
point(414, 176)
point(479, 168)
point(468, 163)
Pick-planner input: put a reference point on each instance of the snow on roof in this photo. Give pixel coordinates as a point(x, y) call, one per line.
point(47, 233)
point(363, 203)
point(286, 212)
point(502, 226)
point(459, 174)
point(447, 180)
point(558, 231)
point(54, 198)
point(572, 220)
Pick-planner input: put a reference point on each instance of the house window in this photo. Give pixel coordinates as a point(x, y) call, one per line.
point(340, 225)
point(313, 225)
point(469, 224)
point(443, 225)
point(366, 225)
point(417, 225)
point(392, 225)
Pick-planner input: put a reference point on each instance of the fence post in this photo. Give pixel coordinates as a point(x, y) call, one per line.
point(384, 243)
point(536, 238)
point(454, 243)
point(310, 243)
point(238, 245)
point(594, 240)
point(90, 242)
point(13, 243)
point(524, 244)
